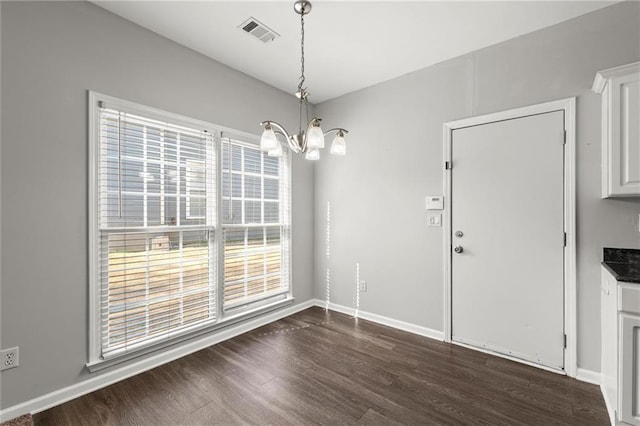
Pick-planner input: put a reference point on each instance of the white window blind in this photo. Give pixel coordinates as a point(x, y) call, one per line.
point(156, 216)
point(256, 224)
point(189, 229)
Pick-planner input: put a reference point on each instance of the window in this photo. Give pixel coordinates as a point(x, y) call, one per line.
point(255, 224)
point(155, 257)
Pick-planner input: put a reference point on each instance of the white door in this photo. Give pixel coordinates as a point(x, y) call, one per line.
point(507, 224)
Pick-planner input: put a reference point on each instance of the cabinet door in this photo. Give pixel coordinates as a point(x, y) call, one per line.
point(629, 372)
point(624, 135)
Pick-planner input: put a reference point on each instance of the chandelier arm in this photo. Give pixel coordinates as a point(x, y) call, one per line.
point(300, 113)
point(306, 110)
point(292, 146)
point(336, 129)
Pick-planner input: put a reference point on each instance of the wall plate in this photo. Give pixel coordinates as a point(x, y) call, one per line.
point(434, 202)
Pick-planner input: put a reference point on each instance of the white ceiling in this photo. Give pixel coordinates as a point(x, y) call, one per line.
point(348, 45)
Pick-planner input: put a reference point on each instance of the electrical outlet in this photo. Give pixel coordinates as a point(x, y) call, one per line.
point(362, 286)
point(9, 358)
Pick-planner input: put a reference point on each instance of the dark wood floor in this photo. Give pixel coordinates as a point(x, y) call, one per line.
point(319, 367)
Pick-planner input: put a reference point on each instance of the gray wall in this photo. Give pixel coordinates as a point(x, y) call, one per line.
point(394, 160)
point(52, 53)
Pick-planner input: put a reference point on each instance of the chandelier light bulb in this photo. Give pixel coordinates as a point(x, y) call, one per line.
point(276, 152)
point(315, 137)
point(338, 146)
point(313, 154)
point(268, 141)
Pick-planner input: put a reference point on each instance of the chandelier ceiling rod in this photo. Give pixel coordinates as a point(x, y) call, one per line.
point(310, 140)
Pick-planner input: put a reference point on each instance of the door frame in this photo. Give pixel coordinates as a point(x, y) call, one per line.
point(567, 105)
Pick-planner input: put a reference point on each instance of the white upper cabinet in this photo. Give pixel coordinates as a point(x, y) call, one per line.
point(620, 90)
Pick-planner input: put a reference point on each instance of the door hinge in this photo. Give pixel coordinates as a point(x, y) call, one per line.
point(564, 240)
point(564, 343)
point(564, 138)
point(447, 165)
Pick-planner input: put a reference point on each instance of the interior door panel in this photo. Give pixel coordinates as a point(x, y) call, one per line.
point(507, 223)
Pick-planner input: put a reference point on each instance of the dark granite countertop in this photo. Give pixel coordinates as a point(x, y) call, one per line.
point(624, 264)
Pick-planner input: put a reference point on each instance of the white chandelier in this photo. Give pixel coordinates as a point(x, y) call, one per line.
point(309, 141)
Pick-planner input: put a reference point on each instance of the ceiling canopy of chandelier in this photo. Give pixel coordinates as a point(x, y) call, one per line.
point(310, 140)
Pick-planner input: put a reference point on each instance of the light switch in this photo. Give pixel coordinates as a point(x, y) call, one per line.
point(435, 202)
point(435, 219)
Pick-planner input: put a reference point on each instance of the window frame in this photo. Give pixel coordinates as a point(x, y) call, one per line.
point(223, 319)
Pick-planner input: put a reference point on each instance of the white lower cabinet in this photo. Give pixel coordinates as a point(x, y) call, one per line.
point(629, 378)
point(620, 356)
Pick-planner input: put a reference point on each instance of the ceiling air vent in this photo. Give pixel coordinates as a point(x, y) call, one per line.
point(258, 30)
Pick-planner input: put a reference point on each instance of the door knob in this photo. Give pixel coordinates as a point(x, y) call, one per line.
point(458, 249)
point(459, 234)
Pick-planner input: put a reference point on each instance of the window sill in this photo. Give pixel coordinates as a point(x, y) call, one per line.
point(174, 343)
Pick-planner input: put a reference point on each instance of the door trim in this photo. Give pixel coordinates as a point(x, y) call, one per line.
point(567, 105)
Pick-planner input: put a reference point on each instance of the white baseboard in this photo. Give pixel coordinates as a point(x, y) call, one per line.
point(400, 325)
point(588, 376)
point(100, 381)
